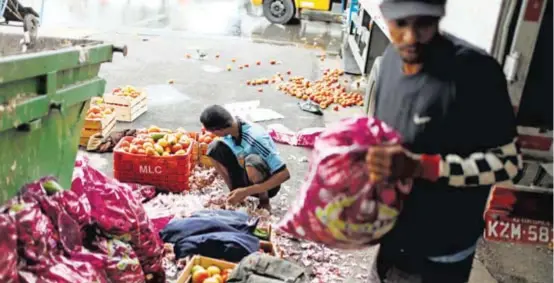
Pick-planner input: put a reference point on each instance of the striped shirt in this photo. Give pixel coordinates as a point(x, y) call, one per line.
point(253, 139)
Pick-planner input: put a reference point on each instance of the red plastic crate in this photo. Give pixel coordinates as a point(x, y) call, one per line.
point(169, 173)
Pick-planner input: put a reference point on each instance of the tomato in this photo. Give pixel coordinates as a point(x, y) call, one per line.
point(141, 151)
point(133, 149)
point(208, 139)
point(124, 144)
point(176, 148)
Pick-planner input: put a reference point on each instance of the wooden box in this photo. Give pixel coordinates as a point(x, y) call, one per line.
point(103, 126)
point(186, 275)
point(270, 249)
point(127, 109)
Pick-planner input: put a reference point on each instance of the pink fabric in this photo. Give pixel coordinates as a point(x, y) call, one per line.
point(160, 223)
point(305, 137)
point(337, 205)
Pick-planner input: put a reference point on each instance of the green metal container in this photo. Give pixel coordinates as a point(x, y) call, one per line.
point(44, 94)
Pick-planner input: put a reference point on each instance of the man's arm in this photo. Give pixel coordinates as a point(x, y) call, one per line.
point(485, 115)
point(273, 181)
point(497, 165)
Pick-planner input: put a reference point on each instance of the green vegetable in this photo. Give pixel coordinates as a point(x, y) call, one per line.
point(261, 233)
point(52, 187)
point(157, 136)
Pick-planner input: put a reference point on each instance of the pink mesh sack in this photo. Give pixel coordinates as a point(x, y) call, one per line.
point(338, 205)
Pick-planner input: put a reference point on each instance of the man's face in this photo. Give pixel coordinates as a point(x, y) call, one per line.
point(412, 36)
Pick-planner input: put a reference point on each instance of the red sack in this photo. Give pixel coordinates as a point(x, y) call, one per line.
point(60, 269)
point(338, 205)
point(8, 250)
point(36, 235)
point(122, 262)
point(121, 216)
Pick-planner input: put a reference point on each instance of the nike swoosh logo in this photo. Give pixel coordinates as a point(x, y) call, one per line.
point(421, 120)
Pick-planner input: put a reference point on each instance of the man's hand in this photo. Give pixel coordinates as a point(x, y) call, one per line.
point(237, 195)
point(391, 162)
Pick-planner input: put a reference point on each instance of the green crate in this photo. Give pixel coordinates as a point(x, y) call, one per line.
point(44, 94)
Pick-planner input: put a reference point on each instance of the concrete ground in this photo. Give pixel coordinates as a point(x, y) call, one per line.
point(160, 33)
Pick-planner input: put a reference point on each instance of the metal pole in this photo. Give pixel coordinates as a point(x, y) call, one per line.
point(41, 12)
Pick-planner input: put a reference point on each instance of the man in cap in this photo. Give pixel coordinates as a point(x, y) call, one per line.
point(450, 103)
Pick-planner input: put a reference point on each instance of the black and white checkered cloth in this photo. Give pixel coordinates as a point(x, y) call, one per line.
point(498, 165)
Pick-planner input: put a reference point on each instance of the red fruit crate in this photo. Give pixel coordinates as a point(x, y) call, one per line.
point(167, 173)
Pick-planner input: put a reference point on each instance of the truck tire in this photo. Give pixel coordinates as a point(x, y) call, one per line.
point(279, 11)
point(369, 99)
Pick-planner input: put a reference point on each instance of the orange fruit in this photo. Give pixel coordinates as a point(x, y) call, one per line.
point(208, 139)
point(176, 148)
point(151, 151)
point(124, 144)
point(133, 149)
point(153, 129)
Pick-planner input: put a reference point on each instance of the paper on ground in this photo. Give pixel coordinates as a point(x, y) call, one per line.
point(249, 110)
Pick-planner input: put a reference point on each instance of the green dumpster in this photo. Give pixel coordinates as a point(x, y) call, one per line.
point(44, 94)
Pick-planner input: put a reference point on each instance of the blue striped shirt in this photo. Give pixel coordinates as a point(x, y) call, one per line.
point(253, 139)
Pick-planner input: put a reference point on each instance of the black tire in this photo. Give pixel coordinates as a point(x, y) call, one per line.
point(279, 11)
point(369, 99)
point(30, 25)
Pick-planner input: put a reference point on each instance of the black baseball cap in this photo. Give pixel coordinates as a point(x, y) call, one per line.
point(398, 9)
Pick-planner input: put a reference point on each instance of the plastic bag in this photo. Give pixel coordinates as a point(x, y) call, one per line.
point(338, 206)
point(60, 269)
point(119, 215)
point(36, 235)
point(305, 137)
point(143, 193)
point(8, 250)
point(122, 262)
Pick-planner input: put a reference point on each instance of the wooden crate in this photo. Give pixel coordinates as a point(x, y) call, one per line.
point(91, 127)
point(126, 109)
point(186, 275)
point(270, 249)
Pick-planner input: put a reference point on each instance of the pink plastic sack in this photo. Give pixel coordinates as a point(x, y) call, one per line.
point(8, 250)
point(119, 215)
point(143, 193)
point(60, 269)
point(338, 205)
point(37, 237)
point(305, 137)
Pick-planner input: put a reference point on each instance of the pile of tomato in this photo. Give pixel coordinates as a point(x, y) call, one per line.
point(325, 91)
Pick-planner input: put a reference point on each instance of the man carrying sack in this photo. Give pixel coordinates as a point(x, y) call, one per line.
point(451, 106)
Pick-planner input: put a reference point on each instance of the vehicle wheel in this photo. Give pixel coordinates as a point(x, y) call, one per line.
point(30, 27)
point(369, 99)
point(279, 11)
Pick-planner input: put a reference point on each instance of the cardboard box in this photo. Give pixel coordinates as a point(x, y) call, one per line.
point(91, 127)
point(186, 275)
point(125, 108)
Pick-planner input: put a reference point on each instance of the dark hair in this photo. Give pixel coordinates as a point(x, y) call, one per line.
point(216, 117)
